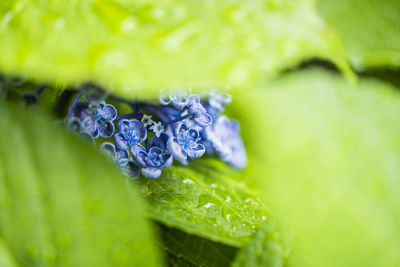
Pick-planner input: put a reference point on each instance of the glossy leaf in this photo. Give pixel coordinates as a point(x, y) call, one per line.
point(64, 204)
point(127, 45)
point(209, 200)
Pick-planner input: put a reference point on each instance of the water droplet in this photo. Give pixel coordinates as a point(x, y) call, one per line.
point(228, 217)
point(215, 225)
point(208, 205)
point(244, 225)
point(228, 199)
point(188, 181)
point(248, 199)
point(263, 218)
point(213, 186)
point(234, 228)
point(245, 206)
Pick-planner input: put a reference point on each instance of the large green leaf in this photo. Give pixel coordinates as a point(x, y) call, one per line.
point(369, 29)
point(155, 44)
point(330, 154)
point(208, 199)
point(6, 258)
point(63, 204)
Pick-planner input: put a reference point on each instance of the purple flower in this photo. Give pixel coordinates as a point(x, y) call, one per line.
point(121, 159)
point(130, 133)
point(185, 144)
point(154, 160)
point(96, 118)
point(224, 138)
point(199, 113)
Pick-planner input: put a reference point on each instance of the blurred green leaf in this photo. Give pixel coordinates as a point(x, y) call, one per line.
point(6, 258)
point(127, 45)
point(209, 200)
point(63, 204)
point(369, 29)
point(196, 250)
point(269, 247)
point(330, 156)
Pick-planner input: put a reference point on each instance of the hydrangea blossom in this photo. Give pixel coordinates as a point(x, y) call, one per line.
point(155, 159)
point(199, 113)
point(179, 99)
point(121, 159)
point(96, 118)
point(185, 144)
point(75, 125)
point(225, 139)
point(130, 133)
point(157, 128)
point(188, 128)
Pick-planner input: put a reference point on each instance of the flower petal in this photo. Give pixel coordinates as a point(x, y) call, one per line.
point(106, 129)
point(196, 152)
point(176, 149)
point(203, 120)
point(132, 170)
point(108, 149)
point(120, 141)
point(151, 172)
point(139, 153)
point(109, 112)
point(168, 159)
point(140, 131)
point(161, 141)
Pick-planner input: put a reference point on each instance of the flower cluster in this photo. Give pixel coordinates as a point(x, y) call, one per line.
point(185, 128)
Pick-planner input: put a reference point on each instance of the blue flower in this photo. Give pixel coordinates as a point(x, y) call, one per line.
point(185, 144)
point(75, 126)
point(199, 113)
point(179, 98)
point(130, 133)
point(154, 160)
point(96, 118)
point(121, 159)
point(224, 138)
point(157, 128)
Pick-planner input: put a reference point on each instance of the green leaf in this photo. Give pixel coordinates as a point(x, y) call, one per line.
point(6, 258)
point(154, 44)
point(208, 199)
point(330, 155)
point(196, 250)
point(369, 29)
point(270, 247)
point(63, 204)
